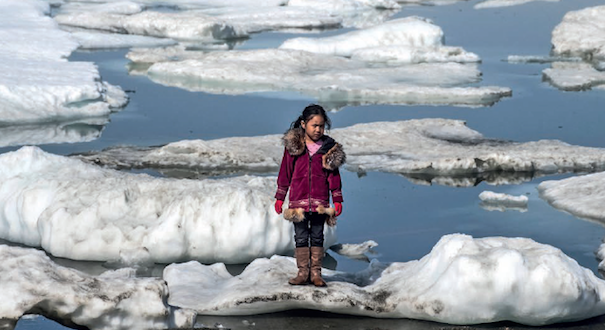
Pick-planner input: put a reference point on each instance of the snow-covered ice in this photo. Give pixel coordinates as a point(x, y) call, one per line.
point(425, 146)
point(37, 83)
point(407, 40)
point(83, 130)
point(461, 281)
point(493, 201)
point(581, 33)
point(355, 251)
point(582, 196)
point(505, 3)
point(31, 283)
point(98, 40)
point(572, 76)
point(83, 212)
point(330, 79)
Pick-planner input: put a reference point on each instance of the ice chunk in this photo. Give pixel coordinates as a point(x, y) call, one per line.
point(582, 196)
point(37, 84)
point(31, 283)
point(98, 40)
point(328, 78)
point(493, 201)
point(505, 3)
point(461, 281)
point(83, 130)
point(84, 212)
point(409, 34)
point(574, 76)
point(355, 251)
point(425, 146)
point(581, 33)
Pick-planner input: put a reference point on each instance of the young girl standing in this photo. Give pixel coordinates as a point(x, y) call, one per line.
point(309, 169)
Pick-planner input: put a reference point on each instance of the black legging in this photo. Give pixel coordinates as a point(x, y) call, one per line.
point(313, 225)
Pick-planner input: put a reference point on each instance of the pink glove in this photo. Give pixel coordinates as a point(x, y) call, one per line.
point(278, 205)
point(338, 207)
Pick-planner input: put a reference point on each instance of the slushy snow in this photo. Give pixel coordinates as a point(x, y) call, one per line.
point(31, 283)
point(461, 281)
point(83, 212)
point(582, 196)
point(37, 83)
point(428, 146)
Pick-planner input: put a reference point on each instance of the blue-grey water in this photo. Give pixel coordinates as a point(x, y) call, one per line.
point(404, 217)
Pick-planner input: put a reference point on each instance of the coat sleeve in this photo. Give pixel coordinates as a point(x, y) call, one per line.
point(335, 186)
point(285, 176)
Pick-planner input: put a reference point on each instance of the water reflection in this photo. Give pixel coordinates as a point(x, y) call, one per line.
point(82, 130)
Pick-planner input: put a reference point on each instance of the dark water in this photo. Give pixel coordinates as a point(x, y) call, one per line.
point(404, 217)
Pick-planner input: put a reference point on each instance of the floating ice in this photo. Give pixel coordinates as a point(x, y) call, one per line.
point(330, 79)
point(355, 251)
point(493, 201)
point(574, 76)
point(581, 33)
point(83, 212)
point(31, 283)
point(426, 146)
point(407, 40)
point(541, 59)
point(505, 3)
point(98, 40)
point(462, 281)
point(37, 83)
point(83, 130)
point(582, 196)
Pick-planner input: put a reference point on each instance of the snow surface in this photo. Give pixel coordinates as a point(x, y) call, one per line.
point(582, 196)
point(572, 76)
point(397, 40)
point(581, 33)
point(83, 130)
point(37, 83)
point(330, 79)
point(31, 283)
point(505, 3)
point(83, 212)
point(98, 40)
point(461, 281)
point(429, 146)
point(493, 201)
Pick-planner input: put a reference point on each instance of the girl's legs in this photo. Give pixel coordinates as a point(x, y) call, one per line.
point(301, 253)
point(317, 251)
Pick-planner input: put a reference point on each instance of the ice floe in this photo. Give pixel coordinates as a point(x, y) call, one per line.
point(83, 212)
point(505, 3)
point(32, 284)
point(493, 201)
point(581, 33)
point(582, 196)
point(407, 40)
point(437, 147)
point(355, 251)
point(37, 83)
point(461, 281)
point(83, 130)
point(98, 40)
point(334, 81)
point(573, 76)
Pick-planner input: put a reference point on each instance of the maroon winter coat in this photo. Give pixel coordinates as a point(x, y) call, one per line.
point(309, 179)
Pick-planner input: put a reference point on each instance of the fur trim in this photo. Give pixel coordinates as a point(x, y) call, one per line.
point(334, 158)
point(298, 214)
point(294, 215)
point(294, 141)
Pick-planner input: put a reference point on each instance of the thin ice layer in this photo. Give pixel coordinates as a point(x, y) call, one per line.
point(582, 196)
point(31, 283)
point(425, 146)
point(505, 3)
point(461, 281)
point(330, 79)
point(117, 216)
point(37, 83)
point(581, 33)
point(392, 40)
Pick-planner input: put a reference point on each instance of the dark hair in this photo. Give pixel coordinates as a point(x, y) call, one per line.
point(308, 113)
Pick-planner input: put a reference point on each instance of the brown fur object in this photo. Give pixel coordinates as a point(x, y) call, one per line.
point(294, 141)
point(333, 158)
point(298, 214)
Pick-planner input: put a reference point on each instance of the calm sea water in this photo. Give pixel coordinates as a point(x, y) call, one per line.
point(405, 218)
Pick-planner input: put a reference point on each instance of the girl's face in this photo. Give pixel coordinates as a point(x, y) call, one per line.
point(314, 128)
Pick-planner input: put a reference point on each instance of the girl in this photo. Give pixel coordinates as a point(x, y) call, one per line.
point(309, 169)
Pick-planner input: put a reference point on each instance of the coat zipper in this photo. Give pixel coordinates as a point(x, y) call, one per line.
point(309, 182)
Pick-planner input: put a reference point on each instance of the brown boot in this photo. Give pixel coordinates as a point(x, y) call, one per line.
point(302, 262)
point(317, 253)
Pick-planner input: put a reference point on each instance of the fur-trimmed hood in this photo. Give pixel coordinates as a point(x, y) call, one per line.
point(333, 155)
